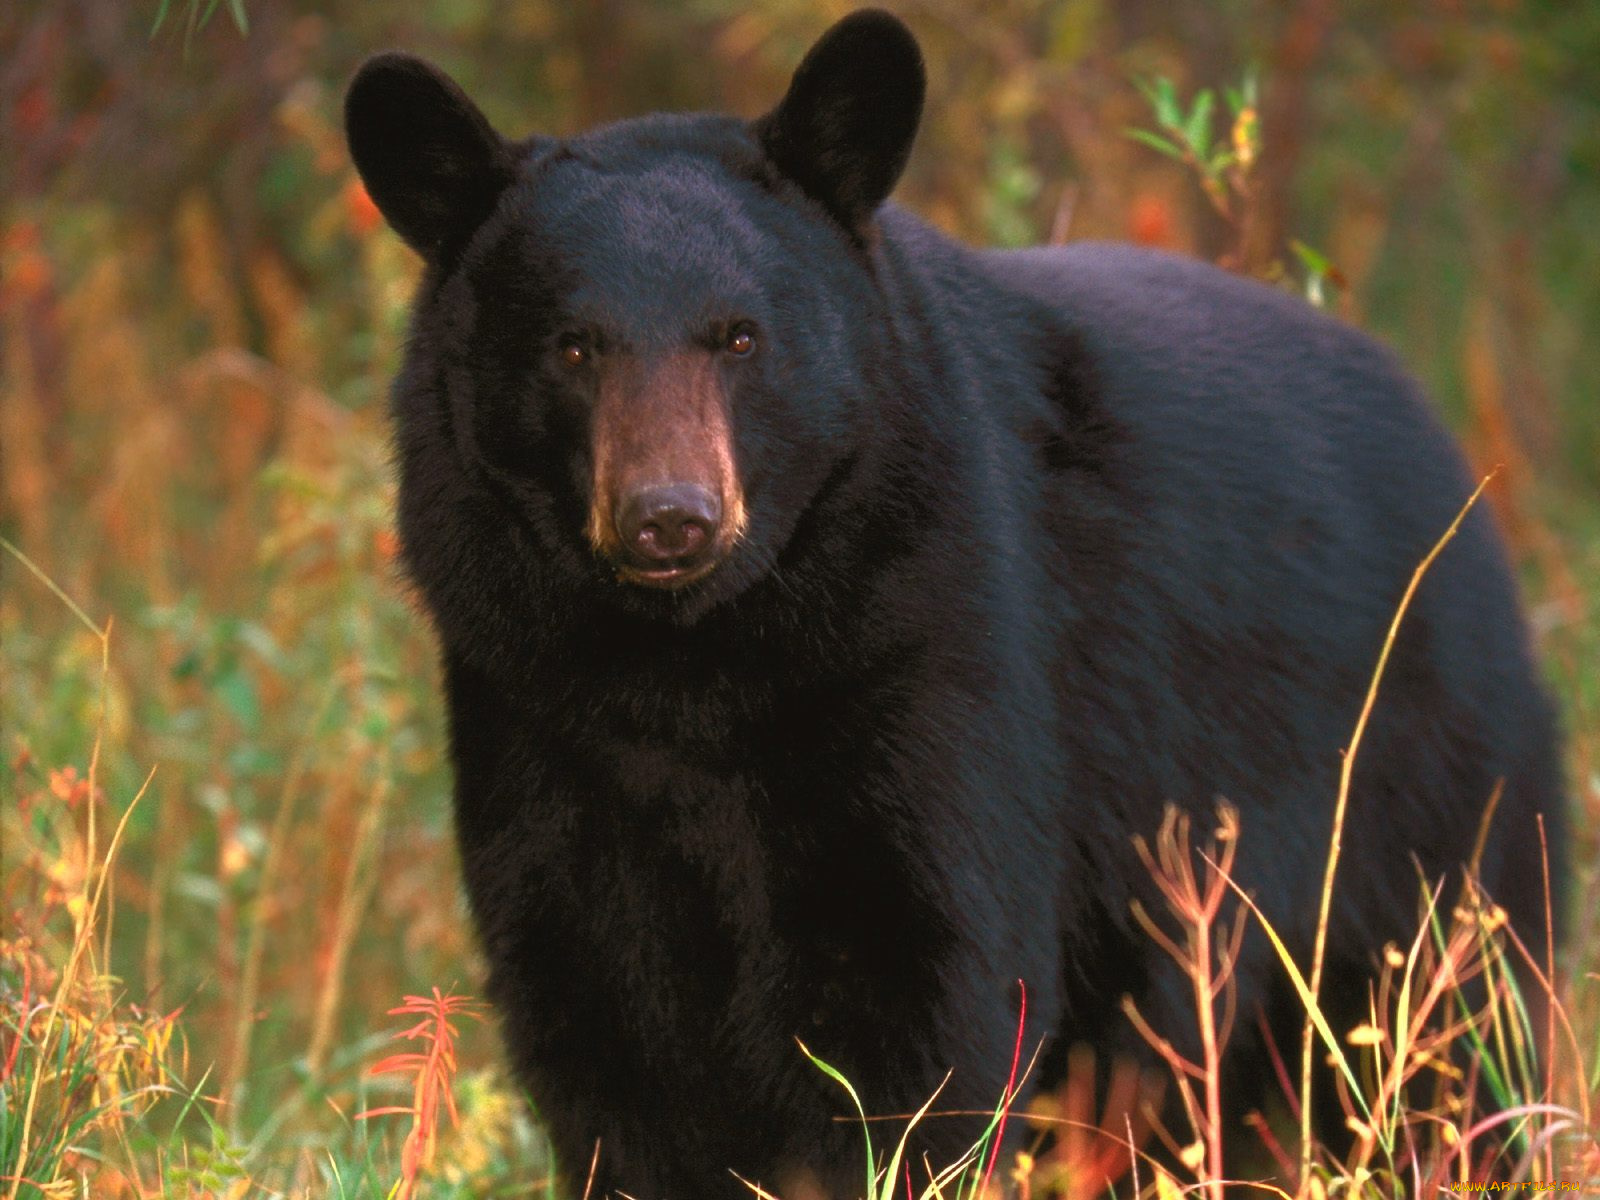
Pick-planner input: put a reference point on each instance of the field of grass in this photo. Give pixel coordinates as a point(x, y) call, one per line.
point(233, 957)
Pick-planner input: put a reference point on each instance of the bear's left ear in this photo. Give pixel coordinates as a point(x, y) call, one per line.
point(844, 130)
point(429, 158)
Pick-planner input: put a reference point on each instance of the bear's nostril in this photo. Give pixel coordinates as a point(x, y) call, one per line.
point(668, 524)
point(670, 535)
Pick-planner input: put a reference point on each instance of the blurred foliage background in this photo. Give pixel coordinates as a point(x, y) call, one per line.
point(200, 313)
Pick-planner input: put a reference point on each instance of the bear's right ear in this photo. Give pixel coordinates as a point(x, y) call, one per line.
point(429, 158)
point(844, 129)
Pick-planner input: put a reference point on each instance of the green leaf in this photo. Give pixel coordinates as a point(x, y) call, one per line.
point(1313, 260)
point(1147, 89)
point(202, 889)
point(834, 1074)
point(260, 639)
point(1330, 1040)
point(237, 691)
point(1197, 129)
point(1156, 142)
point(1168, 111)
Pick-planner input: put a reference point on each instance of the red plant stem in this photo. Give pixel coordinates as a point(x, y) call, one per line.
point(1549, 968)
point(1011, 1083)
point(24, 1015)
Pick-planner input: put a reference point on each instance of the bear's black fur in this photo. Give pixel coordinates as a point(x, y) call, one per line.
point(995, 555)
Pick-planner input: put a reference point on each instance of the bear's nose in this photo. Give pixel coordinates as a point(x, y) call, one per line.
point(669, 525)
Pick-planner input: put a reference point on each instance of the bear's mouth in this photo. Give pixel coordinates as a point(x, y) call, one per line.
point(668, 576)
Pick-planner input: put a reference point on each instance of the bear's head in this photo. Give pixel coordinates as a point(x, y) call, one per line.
point(639, 355)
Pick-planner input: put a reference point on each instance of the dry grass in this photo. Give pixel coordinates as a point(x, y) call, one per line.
point(183, 1014)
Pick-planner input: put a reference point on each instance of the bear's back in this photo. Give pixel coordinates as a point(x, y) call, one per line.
point(1262, 434)
point(1282, 480)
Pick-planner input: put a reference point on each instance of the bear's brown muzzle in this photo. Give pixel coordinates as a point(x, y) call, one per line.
point(666, 505)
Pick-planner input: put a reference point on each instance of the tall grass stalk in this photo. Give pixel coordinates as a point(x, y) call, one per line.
point(255, 945)
point(356, 890)
point(1341, 806)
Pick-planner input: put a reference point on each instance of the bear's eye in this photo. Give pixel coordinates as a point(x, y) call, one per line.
point(574, 353)
point(741, 341)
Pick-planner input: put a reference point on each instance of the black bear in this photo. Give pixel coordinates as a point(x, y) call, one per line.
point(825, 606)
